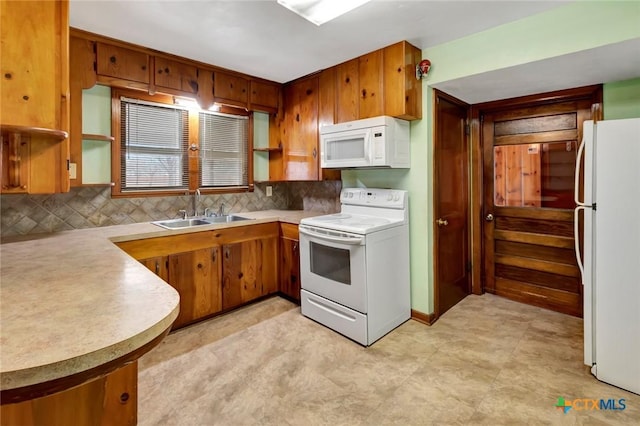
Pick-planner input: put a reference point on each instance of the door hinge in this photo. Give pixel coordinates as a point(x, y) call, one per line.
point(68, 164)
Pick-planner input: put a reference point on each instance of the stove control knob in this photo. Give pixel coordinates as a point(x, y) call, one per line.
point(390, 197)
point(396, 197)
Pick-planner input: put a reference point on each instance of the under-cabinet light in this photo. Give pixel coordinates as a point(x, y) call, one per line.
point(321, 11)
point(193, 104)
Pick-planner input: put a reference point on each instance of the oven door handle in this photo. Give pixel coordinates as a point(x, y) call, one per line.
point(331, 238)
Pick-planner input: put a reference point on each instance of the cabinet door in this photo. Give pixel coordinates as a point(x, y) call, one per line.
point(176, 75)
point(159, 265)
point(122, 63)
point(403, 92)
point(230, 89)
point(347, 96)
point(263, 96)
point(300, 130)
point(196, 276)
point(249, 271)
point(370, 84)
point(290, 268)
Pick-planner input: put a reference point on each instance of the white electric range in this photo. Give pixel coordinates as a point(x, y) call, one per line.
point(355, 264)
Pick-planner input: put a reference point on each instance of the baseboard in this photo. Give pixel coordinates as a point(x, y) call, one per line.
point(422, 317)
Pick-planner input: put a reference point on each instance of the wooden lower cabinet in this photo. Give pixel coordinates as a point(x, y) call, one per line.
point(109, 400)
point(159, 265)
point(290, 262)
point(196, 276)
point(250, 271)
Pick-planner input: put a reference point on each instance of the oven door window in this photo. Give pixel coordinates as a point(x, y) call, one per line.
point(331, 263)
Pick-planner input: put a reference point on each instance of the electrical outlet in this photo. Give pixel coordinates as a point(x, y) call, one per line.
point(269, 191)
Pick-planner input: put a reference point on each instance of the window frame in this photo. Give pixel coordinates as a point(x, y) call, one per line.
point(193, 156)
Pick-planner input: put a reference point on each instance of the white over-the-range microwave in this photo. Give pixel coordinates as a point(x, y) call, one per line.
point(372, 142)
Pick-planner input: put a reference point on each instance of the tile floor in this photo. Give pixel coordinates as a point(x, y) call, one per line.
point(486, 361)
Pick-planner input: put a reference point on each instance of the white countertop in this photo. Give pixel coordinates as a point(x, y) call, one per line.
point(71, 301)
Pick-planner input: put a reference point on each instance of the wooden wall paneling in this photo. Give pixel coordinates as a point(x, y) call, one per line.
point(513, 181)
point(276, 158)
point(347, 91)
point(122, 63)
point(371, 97)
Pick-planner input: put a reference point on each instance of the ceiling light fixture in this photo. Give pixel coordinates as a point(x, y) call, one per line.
point(321, 11)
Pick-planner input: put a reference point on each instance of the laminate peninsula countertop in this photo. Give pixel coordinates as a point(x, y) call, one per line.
point(73, 301)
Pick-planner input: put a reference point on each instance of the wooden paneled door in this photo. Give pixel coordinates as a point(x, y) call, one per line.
point(529, 153)
point(451, 202)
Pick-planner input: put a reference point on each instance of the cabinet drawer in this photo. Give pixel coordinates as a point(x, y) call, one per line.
point(230, 89)
point(176, 75)
point(289, 230)
point(118, 62)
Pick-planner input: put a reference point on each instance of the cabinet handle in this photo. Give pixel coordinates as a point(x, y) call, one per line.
point(214, 254)
point(166, 70)
point(295, 246)
point(297, 117)
point(240, 275)
point(315, 153)
point(226, 253)
point(112, 59)
point(157, 267)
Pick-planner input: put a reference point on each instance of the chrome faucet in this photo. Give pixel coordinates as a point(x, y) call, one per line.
point(221, 210)
point(196, 201)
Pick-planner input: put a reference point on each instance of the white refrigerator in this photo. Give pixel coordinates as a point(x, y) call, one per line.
point(610, 261)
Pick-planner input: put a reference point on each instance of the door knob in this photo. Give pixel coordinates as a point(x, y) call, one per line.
point(489, 218)
point(443, 222)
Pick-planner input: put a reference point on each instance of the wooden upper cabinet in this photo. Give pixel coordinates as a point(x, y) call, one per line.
point(347, 91)
point(299, 130)
point(230, 89)
point(34, 93)
point(174, 75)
point(263, 96)
point(403, 92)
point(122, 63)
point(370, 85)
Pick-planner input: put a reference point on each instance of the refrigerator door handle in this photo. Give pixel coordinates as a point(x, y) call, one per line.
point(576, 184)
point(576, 239)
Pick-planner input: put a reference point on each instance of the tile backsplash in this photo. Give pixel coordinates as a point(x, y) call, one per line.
point(88, 207)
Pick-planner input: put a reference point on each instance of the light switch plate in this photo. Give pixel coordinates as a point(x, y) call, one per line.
point(269, 191)
point(73, 171)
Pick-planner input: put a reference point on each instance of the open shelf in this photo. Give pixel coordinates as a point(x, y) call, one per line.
point(105, 138)
point(270, 149)
point(54, 134)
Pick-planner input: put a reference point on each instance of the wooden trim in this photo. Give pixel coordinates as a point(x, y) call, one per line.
point(427, 319)
point(475, 208)
point(585, 92)
point(538, 265)
point(542, 137)
point(268, 149)
point(540, 213)
point(12, 396)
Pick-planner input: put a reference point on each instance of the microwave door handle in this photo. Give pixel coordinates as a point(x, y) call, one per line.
point(331, 238)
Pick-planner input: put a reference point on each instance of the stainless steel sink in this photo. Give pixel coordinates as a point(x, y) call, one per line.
point(225, 219)
point(197, 221)
point(181, 223)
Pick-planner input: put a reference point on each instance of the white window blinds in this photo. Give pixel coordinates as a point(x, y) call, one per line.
point(154, 146)
point(224, 143)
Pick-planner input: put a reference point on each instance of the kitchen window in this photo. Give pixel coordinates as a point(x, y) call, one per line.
point(166, 149)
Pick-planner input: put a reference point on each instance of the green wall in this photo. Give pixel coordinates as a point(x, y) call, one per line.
point(563, 30)
point(621, 99)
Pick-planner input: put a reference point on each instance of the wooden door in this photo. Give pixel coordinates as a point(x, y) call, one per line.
point(451, 203)
point(300, 130)
point(529, 167)
point(249, 271)
point(196, 275)
point(159, 265)
point(290, 261)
